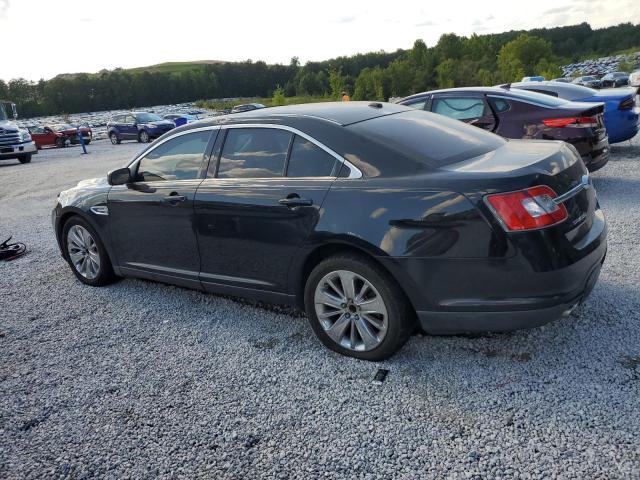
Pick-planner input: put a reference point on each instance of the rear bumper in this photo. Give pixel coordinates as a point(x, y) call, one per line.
point(539, 313)
point(16, 150)
point(453, 296)
point(598, 157)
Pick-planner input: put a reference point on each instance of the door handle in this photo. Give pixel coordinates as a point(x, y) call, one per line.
point(173, 198)
point(293, 200)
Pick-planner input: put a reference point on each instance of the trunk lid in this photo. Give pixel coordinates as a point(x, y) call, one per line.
point(521, 164)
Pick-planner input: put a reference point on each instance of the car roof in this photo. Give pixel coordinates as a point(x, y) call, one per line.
point(341, 113)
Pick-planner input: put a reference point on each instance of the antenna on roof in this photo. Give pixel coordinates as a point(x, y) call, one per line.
point(507, 86)
point(375, 105)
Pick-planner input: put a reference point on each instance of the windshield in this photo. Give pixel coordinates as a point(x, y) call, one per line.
point(540, 98)
point(147, 117)
point(3, 112)
point(62, 126)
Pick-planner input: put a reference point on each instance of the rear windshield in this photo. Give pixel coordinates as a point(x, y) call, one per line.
point(428, 137)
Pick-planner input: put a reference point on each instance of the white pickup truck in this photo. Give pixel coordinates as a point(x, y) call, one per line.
point(14, 141)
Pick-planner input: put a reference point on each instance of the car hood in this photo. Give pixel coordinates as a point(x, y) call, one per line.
point(161, 123)
point(93, 183)
point(8, 125)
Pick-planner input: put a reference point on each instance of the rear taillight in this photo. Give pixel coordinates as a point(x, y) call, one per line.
point(627, 104)
point(527, 209)
point(571, 122)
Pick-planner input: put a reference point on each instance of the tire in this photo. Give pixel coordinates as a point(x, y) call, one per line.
point(25, 158)
point(385, 327)
point(60, 143)
point(94, 267)
point(113, 136)
point(143, 136)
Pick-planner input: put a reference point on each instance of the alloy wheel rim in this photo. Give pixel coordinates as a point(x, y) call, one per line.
point(145, 137)
point(83, 252)
point(351, 311)
point(114, 139)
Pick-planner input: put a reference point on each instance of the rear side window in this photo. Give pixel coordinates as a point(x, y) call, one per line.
point(309, 160)
point(254, 153)
point(499, 105)
point(176, 159)
point(434, 140)
point(462, 108)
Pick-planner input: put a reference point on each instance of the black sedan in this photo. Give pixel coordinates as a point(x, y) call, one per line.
point(588, 81)
point(615, 80)
point(374, 218)
point(522, 114)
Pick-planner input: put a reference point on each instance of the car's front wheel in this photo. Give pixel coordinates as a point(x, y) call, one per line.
point(60, 143)
point(356, 308)
point(86, 253)
point(25, 158)
point(143, 137)
point(113, 136)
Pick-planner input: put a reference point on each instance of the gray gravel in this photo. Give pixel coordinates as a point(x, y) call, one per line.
point(141, 380)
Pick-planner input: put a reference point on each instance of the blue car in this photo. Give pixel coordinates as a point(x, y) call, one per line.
point(621, 116)
point(140, 126)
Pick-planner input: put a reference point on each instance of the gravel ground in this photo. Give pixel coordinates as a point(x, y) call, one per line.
point(142, 380)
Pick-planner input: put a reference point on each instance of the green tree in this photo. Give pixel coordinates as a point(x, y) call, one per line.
point(519, 57)
point(278, 97)
point(336, 82)
point(370, 85)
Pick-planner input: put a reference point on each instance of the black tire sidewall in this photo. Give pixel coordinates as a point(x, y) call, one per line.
point(25, 158)
point(112, 136)
point(400, 320)
point(105, 275)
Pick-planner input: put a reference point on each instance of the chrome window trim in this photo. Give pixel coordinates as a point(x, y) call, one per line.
point(583, 185)
point(354, 172)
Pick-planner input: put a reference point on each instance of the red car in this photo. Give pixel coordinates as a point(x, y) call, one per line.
point(59, 135)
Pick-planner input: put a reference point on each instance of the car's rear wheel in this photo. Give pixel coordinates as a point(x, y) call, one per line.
point(356, 308)
point(60, 143)
point(143, 137)
point(86, 253)
point(114, 138)
point(25, 158)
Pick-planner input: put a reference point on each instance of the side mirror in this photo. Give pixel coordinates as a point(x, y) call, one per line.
point(121, 176)
point(14, 110)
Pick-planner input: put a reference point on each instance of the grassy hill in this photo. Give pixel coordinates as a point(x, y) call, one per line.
point(174, 66)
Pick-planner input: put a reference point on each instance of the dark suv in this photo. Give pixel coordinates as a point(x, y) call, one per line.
point(140, 126)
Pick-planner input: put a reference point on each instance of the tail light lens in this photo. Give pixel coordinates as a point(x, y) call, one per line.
point(571, 122)
point(627, 104)
point(527, 209)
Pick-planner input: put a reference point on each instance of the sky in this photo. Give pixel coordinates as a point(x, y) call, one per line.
point(89, 36)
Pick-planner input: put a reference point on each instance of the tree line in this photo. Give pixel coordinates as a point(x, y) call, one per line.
point(455, 61)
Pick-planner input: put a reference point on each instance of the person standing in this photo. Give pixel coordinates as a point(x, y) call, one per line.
point(345, 97)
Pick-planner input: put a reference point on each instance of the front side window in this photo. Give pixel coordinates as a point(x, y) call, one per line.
point(463, 108)
point(309, 160)
point(176, 159)
point(254, 153)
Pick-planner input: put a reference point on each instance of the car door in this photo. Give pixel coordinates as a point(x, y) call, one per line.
point(261, 199)
point(129, 129)
point(469, 108)
point(151, 219)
